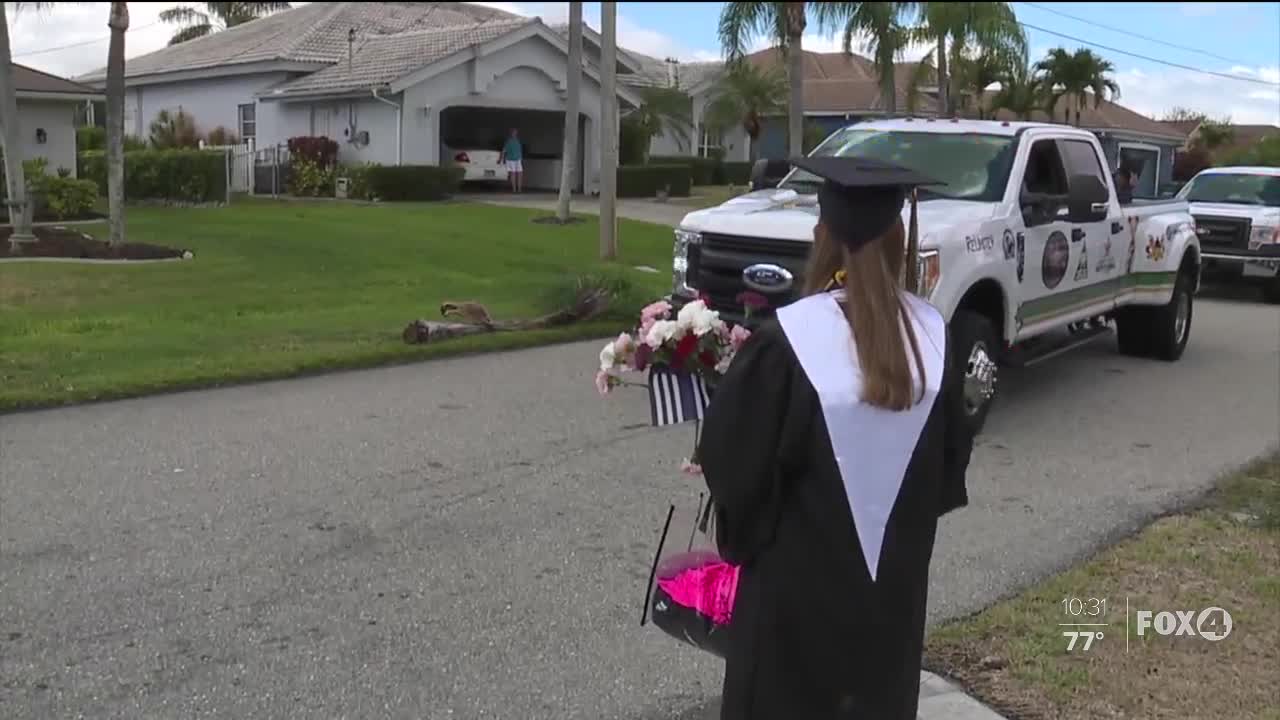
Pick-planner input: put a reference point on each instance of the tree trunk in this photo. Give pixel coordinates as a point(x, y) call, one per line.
point(609, 131)
point(587, 305)
point(119, 24)
point(888, 87)
point(19, 213)
point(573, 108)
point(795, 77)
point(944, 80)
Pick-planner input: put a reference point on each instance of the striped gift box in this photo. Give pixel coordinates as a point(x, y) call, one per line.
point(676, 396)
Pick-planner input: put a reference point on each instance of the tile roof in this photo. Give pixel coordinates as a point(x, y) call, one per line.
point(1106, 116)
point(27, 79)
point(315, 33)
point(384, 58)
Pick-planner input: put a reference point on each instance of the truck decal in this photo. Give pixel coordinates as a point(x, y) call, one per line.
point(980, 244)
point(1057, 255)
point(1010, 249)
point(1022, 255)
point(1155, 248)
point(1082, 267)
point(1106, 263)
point(1047, 308)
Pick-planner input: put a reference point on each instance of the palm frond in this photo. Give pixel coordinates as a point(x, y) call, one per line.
point(742, 22)
point(921, 75)
point(191, 32)
point(184, 15)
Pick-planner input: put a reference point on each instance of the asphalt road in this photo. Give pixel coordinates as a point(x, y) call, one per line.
point(470, 538)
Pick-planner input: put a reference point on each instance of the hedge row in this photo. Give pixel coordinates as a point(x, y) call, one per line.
point(735, 173)
point(647, 180)
point(413, 182)
point(171, 175)
point(708, 171)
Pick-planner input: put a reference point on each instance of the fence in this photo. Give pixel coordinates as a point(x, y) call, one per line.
point(271, 170)
point(239, 165)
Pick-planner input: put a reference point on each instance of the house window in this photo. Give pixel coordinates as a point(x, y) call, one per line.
point(248, 121)
point(709, 141)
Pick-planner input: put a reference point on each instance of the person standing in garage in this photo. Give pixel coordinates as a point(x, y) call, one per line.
point(513, 155)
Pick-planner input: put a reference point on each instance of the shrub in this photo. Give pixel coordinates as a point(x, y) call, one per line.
point(222, 136)
point(358, 177)
point(1187, 164)
point(91, 138)
point(67, 197)
point(310, 179)
point(735, 173)
point(320, 150)
point(414, 182)
point(703, 169)
point(647, 180)
point(174, 130)
point(633, 142)
point(171, 175)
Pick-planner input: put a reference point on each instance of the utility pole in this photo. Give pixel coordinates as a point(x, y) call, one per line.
point(609, 131)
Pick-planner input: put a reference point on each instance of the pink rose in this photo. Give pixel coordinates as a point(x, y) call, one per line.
point(624, 345)
point(655, 311)
point(602, 382)
point(689, 468)
point(737, 336)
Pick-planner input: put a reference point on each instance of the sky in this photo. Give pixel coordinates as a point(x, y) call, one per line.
point(1238, 39)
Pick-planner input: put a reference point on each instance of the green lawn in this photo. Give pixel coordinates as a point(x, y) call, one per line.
point(280, 288)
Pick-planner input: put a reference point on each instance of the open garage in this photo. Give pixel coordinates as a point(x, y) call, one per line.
point(466, 128)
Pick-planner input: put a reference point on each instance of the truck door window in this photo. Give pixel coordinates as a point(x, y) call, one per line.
point(1044, 184)
point(1082, 159)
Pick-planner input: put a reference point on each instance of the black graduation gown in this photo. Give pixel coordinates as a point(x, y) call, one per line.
point(812, 635)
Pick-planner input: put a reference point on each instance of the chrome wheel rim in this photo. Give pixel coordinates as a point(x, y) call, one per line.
point(1182, 316)
point(979, 379)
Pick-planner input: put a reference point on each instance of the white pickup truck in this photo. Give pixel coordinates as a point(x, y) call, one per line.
point(1237, 215)
point(1026, 240)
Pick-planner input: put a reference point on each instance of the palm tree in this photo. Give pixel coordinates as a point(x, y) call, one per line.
point(883, 34)
point(573, 108)
point(119, 24)
point(783, 23)
point(663, 111)
point(987, 25)
point(216, 16)
point(1075, 74)
point(1021, 92)
point(745, 95)
point(923, 74)
point(609, 131)
point(973, 75)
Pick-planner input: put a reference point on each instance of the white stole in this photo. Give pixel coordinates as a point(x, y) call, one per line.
point(873, 446)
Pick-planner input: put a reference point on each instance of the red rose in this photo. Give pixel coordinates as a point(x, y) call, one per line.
point(708, 358)
point(685, 347)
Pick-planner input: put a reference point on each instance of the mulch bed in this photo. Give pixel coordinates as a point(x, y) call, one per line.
point(49, 217)
point(61, 242)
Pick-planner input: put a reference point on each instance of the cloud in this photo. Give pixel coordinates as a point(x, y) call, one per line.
point(1205, 9)
point(631, 35)
point(1153, 93)
point(834, 43)
point(70, 39)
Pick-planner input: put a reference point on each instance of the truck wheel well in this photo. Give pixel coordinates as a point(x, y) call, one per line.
point(986, 299)
point(1191, 265)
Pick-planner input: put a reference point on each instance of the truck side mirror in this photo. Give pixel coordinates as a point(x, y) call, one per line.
point(1087, 199)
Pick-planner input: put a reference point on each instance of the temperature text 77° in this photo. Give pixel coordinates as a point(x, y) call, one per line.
point(1088, 636)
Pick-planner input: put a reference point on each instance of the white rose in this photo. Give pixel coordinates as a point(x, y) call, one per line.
point(696, 317)
point(662, 332)
point(608, 357)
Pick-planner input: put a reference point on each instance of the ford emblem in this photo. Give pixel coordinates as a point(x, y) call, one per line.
point(767, 278)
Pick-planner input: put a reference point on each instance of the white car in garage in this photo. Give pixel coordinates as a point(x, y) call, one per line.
point(479, 165)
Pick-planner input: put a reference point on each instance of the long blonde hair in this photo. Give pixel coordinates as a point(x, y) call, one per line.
point(875, 310)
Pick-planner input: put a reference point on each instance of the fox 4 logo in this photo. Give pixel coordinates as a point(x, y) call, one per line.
point(1212, 623)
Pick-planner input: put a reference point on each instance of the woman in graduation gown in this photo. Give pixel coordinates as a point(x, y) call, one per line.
point(831, 448)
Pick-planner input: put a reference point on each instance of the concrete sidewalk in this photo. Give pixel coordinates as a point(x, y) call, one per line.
point(939, 700)
point(650, 211)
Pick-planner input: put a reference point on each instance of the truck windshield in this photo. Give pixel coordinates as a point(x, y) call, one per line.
point(1234, 189)
point(973, 166)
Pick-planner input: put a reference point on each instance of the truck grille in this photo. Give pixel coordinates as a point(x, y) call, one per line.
point(1221, 233)
point(716, 265)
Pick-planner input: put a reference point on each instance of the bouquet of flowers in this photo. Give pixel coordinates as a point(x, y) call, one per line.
point(691, 593)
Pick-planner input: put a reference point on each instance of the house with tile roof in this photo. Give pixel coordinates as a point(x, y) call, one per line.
point(391, 82)
point(47, 106)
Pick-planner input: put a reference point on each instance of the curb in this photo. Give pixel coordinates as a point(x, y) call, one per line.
point(943, 700)
point(94, 261)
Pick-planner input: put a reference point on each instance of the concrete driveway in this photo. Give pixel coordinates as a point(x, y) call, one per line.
point(470, 538)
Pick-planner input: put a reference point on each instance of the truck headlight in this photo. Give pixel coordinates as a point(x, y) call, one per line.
point(1263, 235)
point(680, 262)
point(929, 270)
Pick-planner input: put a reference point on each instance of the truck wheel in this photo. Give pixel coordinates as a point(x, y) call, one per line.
point(1171, 326)
point(976, 347)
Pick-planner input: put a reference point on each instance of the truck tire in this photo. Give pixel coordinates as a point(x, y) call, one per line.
point(1159, 332)
point(976, 348)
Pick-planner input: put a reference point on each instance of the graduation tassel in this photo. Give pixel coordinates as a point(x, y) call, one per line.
point(913, 249)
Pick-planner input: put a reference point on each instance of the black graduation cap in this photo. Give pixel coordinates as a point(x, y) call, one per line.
point(861, 197)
